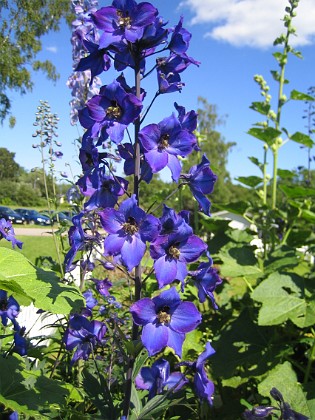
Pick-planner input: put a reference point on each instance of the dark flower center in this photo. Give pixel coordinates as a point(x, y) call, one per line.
point(107, 185)
point(130, 226)
point(123, 21)
point(163, 315)
point(174, 252)
point(3, 304)
point(163, 143)
point(114, 111)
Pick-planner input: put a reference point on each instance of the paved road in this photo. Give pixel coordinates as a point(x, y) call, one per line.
point(19, 231)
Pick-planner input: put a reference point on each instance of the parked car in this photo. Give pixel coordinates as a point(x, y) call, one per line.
point(34, 217)
point(11, 215)
point(57, 216)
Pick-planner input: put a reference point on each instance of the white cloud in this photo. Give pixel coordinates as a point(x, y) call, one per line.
point(52, 49)
point(254, 23)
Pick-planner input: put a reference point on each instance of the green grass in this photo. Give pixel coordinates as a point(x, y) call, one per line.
point(34, 247)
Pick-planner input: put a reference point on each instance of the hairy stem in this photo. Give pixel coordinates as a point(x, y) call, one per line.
point(137, 279)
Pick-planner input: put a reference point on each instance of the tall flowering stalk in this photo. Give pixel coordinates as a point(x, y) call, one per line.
point(130, 35)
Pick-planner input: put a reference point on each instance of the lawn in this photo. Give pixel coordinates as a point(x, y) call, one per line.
point(34, 247)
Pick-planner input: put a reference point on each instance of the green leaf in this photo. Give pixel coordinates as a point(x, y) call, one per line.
point(251, 181)
point(139, 362)
point(237, 207)
point(260, 107)
point(243, 349)
point(267, 135)
point(256, 162)
point(28, 392)
point(239, 262)
point(32, 284)
point(299, 96)
point(284, 379)
point(276, 76)
point(302, 138)
point(281, 296)
point(135, 401)
point(286, 174)
point(297, 191)
point(157, 405)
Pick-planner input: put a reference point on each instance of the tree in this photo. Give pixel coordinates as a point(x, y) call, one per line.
point(9, 169)
point(23, 23)
point(215, 147)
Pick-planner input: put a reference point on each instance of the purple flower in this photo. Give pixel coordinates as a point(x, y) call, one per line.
point(206, 278)
point(102, 286)
point(172, 254)
point(200, 180)
point(78, 240)
point(20, 342)
point(165, 320)
point(9, 308)
point(103, 189)
point(125, 19)
point(7, 232)
point(180, 39)
point(168, 69)
point(83, 335)
point(203, 386)
point(112, 110)
point(129, 228)
point(157, 377)
point(165, 141)
point(90, 300)
point(173, 224)
point(97, 61)
point(127, 152)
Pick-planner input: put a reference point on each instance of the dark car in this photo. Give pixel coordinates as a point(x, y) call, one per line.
point(34, 217)
point(11, 215)
point(57, 216)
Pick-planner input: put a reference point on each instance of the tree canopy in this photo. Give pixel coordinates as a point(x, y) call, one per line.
point(22, 24)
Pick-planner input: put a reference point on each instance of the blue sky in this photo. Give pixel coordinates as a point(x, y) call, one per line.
point(233, 41)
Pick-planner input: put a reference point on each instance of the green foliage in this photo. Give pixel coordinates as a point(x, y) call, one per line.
point(9, 169)
point(23, 23)
point(29, 392)
point(32, 284)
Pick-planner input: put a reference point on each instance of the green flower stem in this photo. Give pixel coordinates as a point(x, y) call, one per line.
point(265, 182)
point(50, 209)
point(137, 279)
point(311, 359)
point(274, 178)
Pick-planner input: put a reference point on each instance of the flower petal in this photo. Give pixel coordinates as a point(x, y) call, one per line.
point(185, 318)
point(154, 337)
point(143, 311)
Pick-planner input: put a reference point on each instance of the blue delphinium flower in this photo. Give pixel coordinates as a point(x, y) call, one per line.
point(7, 232)
point(203, 386)
point(129, 229)
point(9, 308)
point(127, 152)
point(200, 180)
point(103, 190)
point(180, 39)
point(171, 255)
point(125, 19)
point(79, 240)
point(263, 412)
point(112, 110)
point(83, 335)
point(206, 279)
point(164, 142)
point(97, 61)
point(157, 377)
point(169, 69)
point(20, 342)
point(165, 320)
